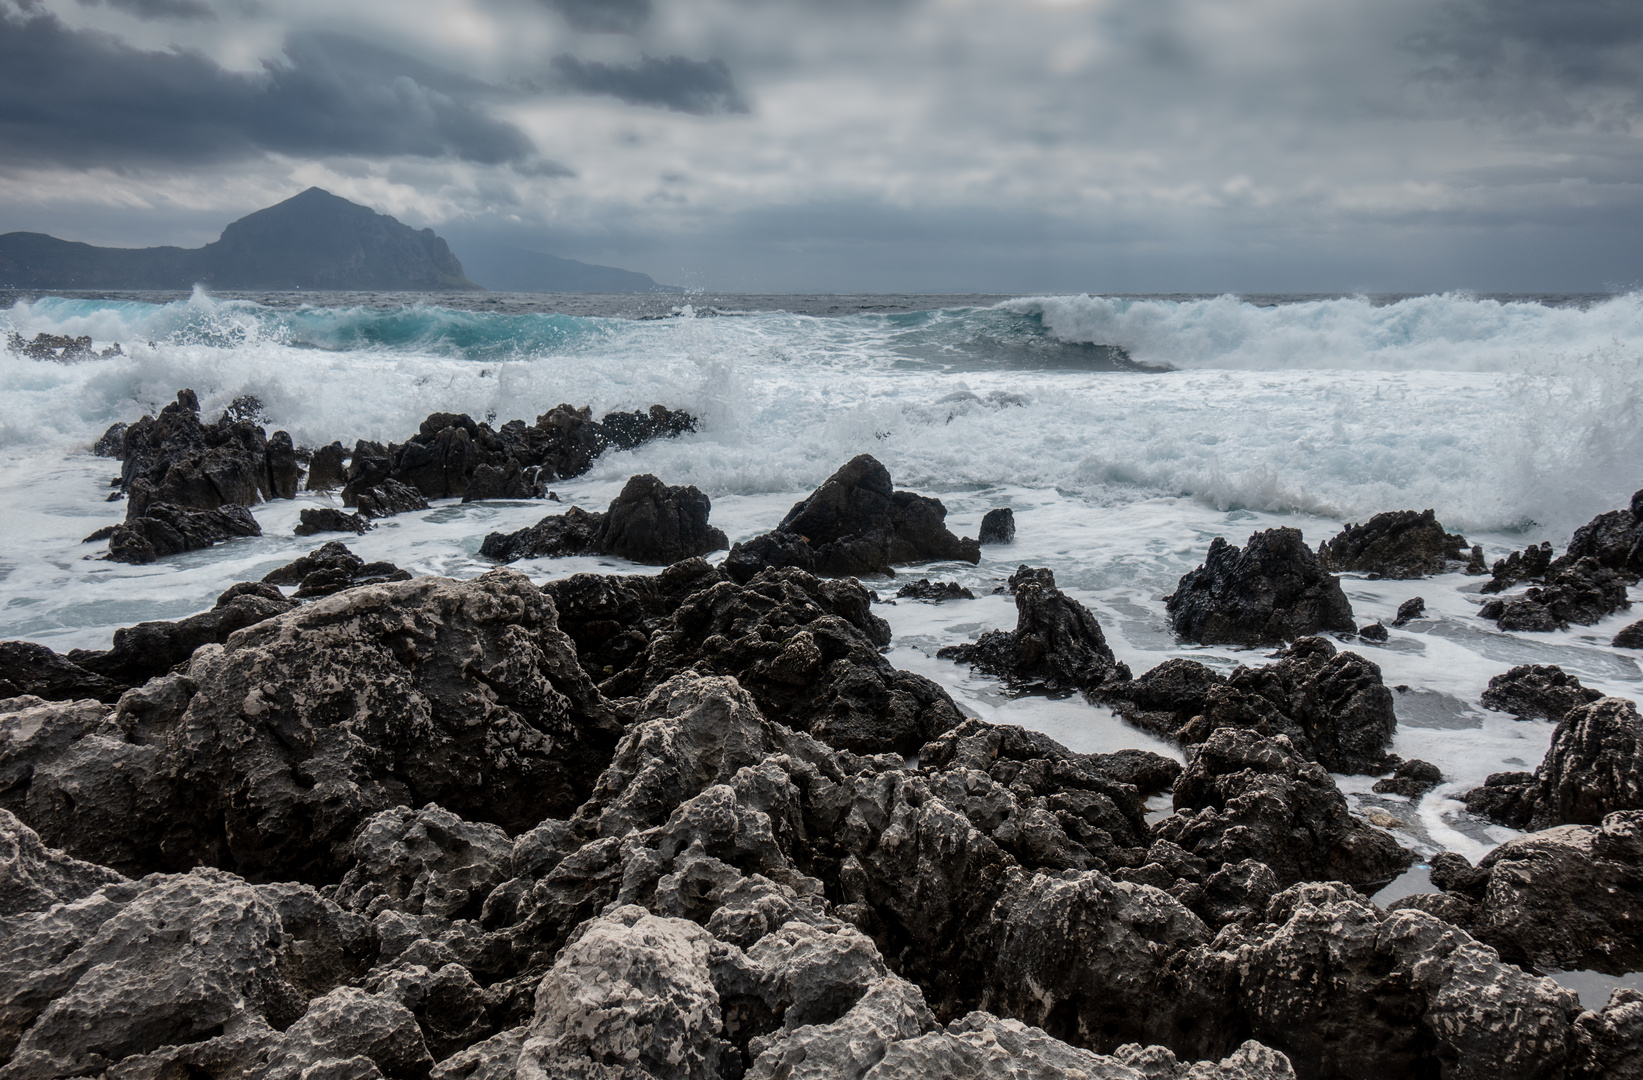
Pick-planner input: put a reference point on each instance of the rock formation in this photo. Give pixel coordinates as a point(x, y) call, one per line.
point(1399, 544)
point(1056, 644)
point(1271, 591)
point(649, 522)
point(855, 524)
point(1594, 767)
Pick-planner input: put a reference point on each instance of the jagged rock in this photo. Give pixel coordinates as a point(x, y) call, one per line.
point(505, 481)
point(1630, 637)
point(1398, 544)
point(496, 1058)
point(111, 444)
point(934, 591)
point(997, 527)
point(330, 569)
point(1581, 593)
point(1271, 591)
point(384, 499)
point(1245, 797)
point(1411, 779)
point(176, 460)
point(27, 668)
point(1593, 767)
point(1332, 706)
point(1057, 643)
point(855, 524)
point(349, 1033)
point(325, 468)
point(440, 457)
point(1409, 611)
point(1611, 1040)
point(575, 532)
point(165, 529)
point(34, 877)
point(1530, 563)
point(323, 519)
point(424, 861)
point(1564, 898)
point(1505, 797)
point(284, 473)
point(1537, 691)
point(141, 652)
point(648, 522)
point(1614, 539)
point(1373, 632)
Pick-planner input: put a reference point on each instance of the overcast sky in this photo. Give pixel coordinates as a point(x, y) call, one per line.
point(865, 145)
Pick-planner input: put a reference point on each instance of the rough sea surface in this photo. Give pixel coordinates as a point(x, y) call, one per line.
point(1125, 432)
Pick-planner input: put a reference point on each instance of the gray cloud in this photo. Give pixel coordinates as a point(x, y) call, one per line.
point(84, 97)
point(603, 16)
point(700, 87)
point(158, 9)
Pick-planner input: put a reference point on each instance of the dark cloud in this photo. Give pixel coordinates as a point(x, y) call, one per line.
point(86, 98)
point(603, 16)
point(157, 9)
point(688, 86)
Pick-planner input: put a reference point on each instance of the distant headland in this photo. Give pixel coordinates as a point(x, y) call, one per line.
point(315, 240)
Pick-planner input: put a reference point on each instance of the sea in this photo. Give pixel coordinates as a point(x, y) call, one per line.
point(1125, 432)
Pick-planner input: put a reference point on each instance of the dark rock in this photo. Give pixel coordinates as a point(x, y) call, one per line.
point(111, 444)
point(1505, 797)
point(34, 877)
point(1272, 591)
point(141, 652)
point(934, 591)
point(27, 668)
point(1057, 643)
point(284, 473)
point(1581, 592)
point(1475, 566)
point(438, 460)
point(1245, 797)
point(1530, 563)
point(1614, 539)
point(855, 524)
point(1543, 691)
point(505, 481)
point(384, 499)
point(322, 519)
point(648, 522)
point(1566, 898)
point(1373, 632)
point(1631, 637)
point(1594, 766)
point(164, 529)
point(1411, 779)
point(174, 459)
point(1165, 699)
point(1399, 544)
point(330, 569)
point(426, 861)
point(997, 527)
point(325, 468)
point(1409, 611)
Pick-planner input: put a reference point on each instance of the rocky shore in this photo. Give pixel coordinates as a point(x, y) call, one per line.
point(695, 824)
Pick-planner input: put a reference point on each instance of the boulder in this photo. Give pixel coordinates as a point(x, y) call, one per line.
point(426, 861)
point(27, 668)
point(648, 522)
point(1593, 767)
point(505, 481)
point(1537, 691)
point(1271, 591)
point(1057, 644)
point(331, 568)
point(141, 652)
point(1411, 779)
point(1245, 797)
point(384, 499)
point(34, 877)
point(326, 469)
point(855, 524)
point(322, 519)
point(165, 529)
point(1630, 637)
point(997, 527)
point(1398, 544)
point(1614, 539)
point(1581, 593)
point(1373, 632)
point(1409, 611)
point(1529, 564)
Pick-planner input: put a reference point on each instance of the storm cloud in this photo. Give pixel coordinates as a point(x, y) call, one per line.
point(83, 97)
point(608, 16)
point(700, 87)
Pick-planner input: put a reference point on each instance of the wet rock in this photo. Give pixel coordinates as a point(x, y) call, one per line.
point(384, 499)
point(1565, 898)
point(1630, 637)
point(1581, 593)
point(1271, 591)
point(440, 457)
point(141, 652)
point(997, 527)
point(165, 529)
point(1594, 766)
point(1411, 779)
point(1057, 644)
point(325, 519)
point(1531, 691)
point(648, 522)
point(1373, 632)
point(330, 569)
point(934, 591)
point(575, 532)
point(284, 473)
point(27, 668)
point(1409, 611)
point(325, 468)
point(176, 460)
point(111, 444)
point(1505, 797)
point(855, 524)
point(1399, 544)
point(505, 481)
point(1614, 539)
point(1529, 564)
point(1244, 797)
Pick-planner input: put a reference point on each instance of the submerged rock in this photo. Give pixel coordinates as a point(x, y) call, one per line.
point(1399, 544)
point(1057, 643)
point(1532, 691)
point(855, 524)
point(1271, 591)
point(329, 519)
point(934, 591)
point(331, 568)
point(997, 527)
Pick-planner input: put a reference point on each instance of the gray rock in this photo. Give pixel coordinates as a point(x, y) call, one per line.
point(1271, 591)
point(339, 1030)
point(1057, 643)
point(1593, 767)
point(1398, 544)
point(33, 877)
point(323, 519)
point(1537, 690)
point(497, 1058)
point(426, 861)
